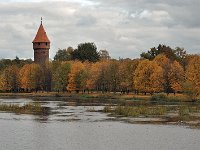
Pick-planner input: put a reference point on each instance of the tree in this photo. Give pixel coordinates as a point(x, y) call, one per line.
point(178, 54)
point(148, 77)
point(77, 77)
point(10, 79)
point(165, 63)
point(64, 54)
point(173, 74)
point(2, 83)
point(4, 63)
point(126, 72)
point(104, 55)
point(113, 76)
point(31, 77)
point(93, 73)
point(176, 77)
point(86, 52)
point(193, 77)
point(60, 75)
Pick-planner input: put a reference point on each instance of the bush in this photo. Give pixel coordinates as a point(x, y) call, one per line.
point(30, 108)
point(176, 99)
point(184, 111)
point(159, 97)
point(107, 109)
point(137, 111)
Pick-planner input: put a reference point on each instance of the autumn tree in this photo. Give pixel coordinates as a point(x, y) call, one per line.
point(60, 72)
point(173, 74)
point(126, 72)
point(77, 77)
point(192, 84)
point(165, 63)
point(176, 77)
point(31, 77)
point(148, 77)
point(10, 79)
point(2, 83)
point(102, 82)
point(93, 74)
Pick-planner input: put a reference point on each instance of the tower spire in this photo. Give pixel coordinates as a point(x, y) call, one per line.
point(41, 20)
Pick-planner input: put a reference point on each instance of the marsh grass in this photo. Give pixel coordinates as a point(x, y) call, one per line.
point(136, 111)
point(30, 108)
point(181, 112)
point(162, 97)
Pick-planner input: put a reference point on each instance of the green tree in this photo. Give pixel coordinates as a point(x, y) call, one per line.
point(60, 75)
point(178, 54)
point(86, 52)
point(64, 54)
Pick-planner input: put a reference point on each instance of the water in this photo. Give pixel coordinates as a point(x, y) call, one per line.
point(75, 128)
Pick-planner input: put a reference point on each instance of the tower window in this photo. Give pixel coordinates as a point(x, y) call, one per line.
point(46, 44)
point(38, 43)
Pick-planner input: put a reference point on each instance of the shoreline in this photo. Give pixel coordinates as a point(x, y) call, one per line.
point(190, 119)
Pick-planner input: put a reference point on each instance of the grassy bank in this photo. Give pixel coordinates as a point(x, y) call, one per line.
point(172, 113)
point(99, 95)
point(31, 108)
point(135, 111)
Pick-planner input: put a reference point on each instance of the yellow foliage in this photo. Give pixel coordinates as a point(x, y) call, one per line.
point(2, 83)
point(31, 76)
point(176, 76)
point(9, 79)
point(173, 73)
point(74, 82)
point(148, 77)
point(193, 74)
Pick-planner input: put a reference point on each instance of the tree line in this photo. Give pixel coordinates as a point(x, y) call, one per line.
point(160, 69)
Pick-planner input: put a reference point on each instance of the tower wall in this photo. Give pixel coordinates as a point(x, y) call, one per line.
point(41, 52)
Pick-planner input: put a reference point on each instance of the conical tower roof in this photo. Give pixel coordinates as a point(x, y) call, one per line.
point(41, 35)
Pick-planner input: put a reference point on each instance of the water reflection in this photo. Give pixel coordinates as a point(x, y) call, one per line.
point(57, 111)
point(76, 128)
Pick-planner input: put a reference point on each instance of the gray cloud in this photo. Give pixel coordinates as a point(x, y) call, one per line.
point(124, 27)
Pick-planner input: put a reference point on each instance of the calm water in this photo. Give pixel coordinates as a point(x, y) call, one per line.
point(75, 128)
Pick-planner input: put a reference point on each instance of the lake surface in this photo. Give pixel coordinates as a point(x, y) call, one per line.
point(76, 128)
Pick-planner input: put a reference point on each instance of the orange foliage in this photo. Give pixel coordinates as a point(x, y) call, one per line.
point(76, 77)
point(148, 77)
point(193, 74)
point(176, 76)
point(31, 76)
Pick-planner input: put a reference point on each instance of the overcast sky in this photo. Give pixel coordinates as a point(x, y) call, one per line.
point(124, 27)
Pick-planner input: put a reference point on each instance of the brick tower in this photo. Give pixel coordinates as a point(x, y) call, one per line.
point(41, 46)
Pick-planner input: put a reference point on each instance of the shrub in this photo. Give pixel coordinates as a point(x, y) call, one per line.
point(159, 97)
point(107, 109)
point(184, 111)
point(137, 111)
point(30, 108)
